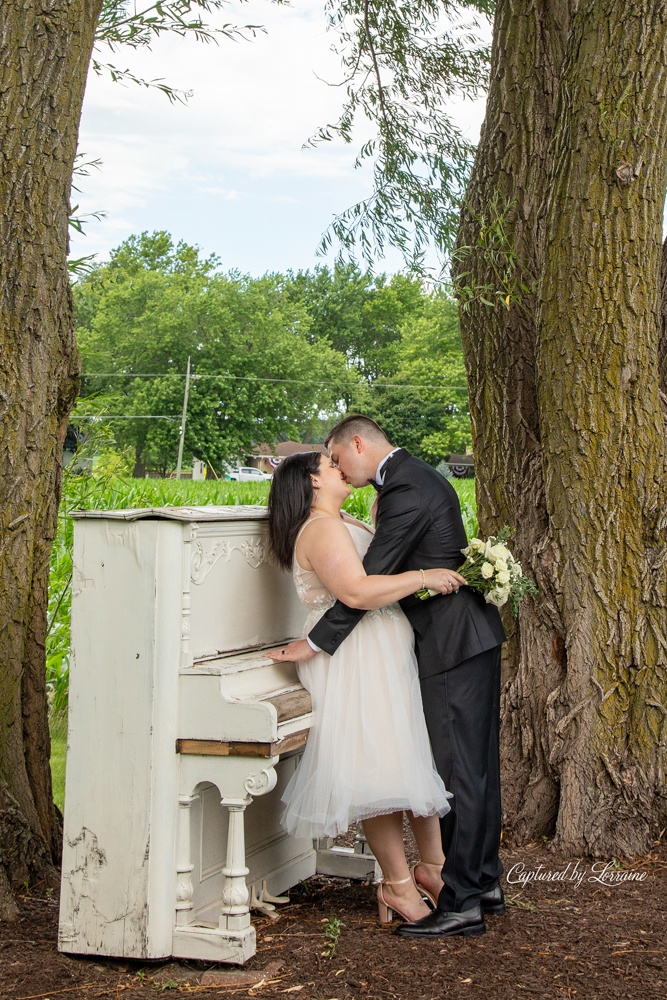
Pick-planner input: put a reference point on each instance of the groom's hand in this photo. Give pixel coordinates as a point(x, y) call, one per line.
point(298, 650)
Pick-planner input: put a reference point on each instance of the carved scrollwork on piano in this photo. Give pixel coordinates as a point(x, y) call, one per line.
point(184, 889)
point(254, 550)
point(235, 894)
point(262, 783)
point(204, 558)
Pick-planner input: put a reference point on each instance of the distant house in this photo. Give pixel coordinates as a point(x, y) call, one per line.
point(461, 466)
point(267, 457)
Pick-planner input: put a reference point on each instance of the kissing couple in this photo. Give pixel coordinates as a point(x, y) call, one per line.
point(405, 691)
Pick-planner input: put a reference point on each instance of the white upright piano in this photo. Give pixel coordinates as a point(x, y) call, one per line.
point(182, 737)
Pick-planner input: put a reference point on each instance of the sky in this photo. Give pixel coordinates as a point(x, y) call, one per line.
point(227, 171)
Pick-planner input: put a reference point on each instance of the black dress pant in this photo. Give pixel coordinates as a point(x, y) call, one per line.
point(462, 709)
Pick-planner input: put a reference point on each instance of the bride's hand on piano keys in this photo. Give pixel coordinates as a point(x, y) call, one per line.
point(297, 650)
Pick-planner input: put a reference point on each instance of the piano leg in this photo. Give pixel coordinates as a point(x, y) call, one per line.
point(184, 867)
point(235, 909)
point(242, 779)
point(235, 912)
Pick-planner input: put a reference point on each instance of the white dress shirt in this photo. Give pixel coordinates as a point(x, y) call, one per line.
point(379, 479)
point(379, 474)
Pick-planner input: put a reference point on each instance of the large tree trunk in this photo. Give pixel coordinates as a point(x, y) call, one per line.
point(568, 428)
point(45, 49)
point(662, 351)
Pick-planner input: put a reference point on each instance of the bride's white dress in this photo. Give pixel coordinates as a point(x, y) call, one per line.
point(368, 751)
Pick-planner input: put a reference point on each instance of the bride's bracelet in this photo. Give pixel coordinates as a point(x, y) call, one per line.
point(424, 593)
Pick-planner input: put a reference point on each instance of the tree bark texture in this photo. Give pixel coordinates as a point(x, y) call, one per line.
point(45, 49)
point(662, 352)
point(568, 425)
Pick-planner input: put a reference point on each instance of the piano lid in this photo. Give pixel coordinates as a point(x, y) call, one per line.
point(238, 512)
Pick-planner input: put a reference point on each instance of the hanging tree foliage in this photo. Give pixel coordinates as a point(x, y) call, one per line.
point(402, 61)
point(557, 270)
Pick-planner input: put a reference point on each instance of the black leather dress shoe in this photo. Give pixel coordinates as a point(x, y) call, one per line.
point(438, 923)
point(493, 901)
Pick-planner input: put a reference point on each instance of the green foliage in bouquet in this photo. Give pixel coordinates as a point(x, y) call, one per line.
point(491, 570)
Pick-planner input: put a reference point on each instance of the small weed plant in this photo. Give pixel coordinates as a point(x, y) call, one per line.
point(331, 935)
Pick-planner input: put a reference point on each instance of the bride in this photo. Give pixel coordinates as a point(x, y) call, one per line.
point(368, 755)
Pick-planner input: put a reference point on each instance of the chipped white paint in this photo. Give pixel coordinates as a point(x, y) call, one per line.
point(160, 849)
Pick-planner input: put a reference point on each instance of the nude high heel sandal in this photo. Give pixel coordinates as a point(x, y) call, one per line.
point(385, 911)
point(422, 888)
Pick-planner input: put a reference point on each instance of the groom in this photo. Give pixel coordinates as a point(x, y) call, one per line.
point(458, 638)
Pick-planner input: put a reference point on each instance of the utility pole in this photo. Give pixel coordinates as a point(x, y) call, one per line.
point(183, 419)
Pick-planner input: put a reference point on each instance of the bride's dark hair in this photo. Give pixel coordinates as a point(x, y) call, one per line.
point(290, 500)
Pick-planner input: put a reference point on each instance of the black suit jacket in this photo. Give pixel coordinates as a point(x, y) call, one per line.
point(419, 526)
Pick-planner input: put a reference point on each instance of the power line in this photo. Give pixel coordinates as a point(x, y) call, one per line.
point(297, 381)
point(117, 416)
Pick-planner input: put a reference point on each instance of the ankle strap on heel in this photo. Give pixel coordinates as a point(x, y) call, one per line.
point(383, 881)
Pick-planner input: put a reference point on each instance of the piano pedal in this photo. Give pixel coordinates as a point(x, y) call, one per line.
point(264, 902)
point(268, 898)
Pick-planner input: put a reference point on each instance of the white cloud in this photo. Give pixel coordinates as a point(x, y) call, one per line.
point(228, 170)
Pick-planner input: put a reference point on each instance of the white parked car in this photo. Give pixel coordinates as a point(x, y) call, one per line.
point(246, 474)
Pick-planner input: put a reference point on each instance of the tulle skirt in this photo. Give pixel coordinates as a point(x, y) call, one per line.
point(368, 751)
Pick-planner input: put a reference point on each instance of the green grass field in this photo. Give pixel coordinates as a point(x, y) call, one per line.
point(92, 492)
point(58, 726)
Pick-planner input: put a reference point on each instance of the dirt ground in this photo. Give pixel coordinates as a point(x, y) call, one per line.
point(564, 938)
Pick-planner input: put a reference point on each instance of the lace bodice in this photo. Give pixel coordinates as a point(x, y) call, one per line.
point(312, 591)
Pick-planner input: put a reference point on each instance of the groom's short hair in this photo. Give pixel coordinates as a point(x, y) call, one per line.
point(355, 423)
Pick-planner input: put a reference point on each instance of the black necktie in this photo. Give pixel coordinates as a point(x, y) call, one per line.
point(376, 486)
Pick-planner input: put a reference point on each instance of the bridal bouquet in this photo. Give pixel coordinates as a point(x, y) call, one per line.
point(491, 570)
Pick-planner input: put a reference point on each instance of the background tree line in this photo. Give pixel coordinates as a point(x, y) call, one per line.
point(338, 339)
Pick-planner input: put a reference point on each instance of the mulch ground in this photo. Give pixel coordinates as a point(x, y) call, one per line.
point(559, 939)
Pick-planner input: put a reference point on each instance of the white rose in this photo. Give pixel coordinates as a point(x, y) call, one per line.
point(495, 597)
point(500, 552)
point(489, 552)
point(467, 551)
point(501, 565)
point(487, 570)
point(502, 576)
point(477, 545)
point(504, 592)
